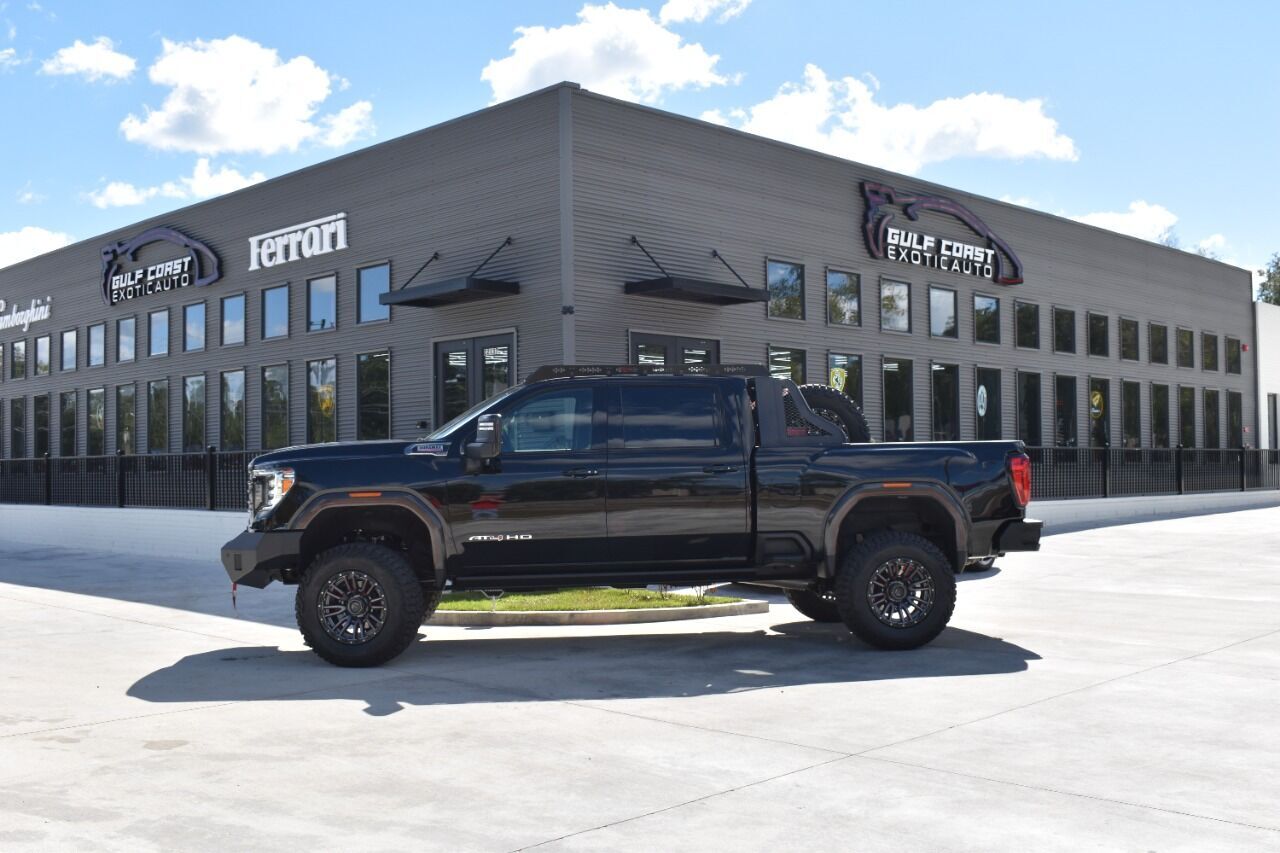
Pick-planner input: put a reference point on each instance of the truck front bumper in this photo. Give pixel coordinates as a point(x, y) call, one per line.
point(1021, 535)
point(256, 559)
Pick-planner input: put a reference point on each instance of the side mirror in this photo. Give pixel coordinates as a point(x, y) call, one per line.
point(488, 441)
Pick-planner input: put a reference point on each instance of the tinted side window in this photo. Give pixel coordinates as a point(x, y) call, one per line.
point(556, 421)
point(669, 416)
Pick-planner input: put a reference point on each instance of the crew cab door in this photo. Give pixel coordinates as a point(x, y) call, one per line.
point(542, 501)
point(678, 485)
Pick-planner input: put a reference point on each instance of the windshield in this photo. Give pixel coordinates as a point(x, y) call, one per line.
point(478, 409)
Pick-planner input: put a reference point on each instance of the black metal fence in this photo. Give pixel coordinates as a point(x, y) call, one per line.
point(1096, 472)
point(210, 480)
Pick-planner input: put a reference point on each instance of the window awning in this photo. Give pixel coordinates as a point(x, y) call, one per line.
point(696, 290)
point(450, 291)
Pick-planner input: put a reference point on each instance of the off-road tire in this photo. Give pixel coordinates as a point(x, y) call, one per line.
point(431, 597)
point(860, 566)
point(815, 605)
point(829, 403)
point(403, 595)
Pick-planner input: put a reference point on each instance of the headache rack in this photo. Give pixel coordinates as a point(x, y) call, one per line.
point(569, 371)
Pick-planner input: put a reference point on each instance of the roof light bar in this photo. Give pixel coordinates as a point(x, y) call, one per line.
point(567, 371)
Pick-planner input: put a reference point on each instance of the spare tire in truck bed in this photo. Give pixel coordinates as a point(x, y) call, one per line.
point(833, 405)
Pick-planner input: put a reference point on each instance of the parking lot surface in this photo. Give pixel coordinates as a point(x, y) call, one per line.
point(1117, 690)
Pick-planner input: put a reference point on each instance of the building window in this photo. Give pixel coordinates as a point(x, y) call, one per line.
point(1233, 355)
point(1026, 322)
point(193, 406)
point(786, 289)
point(158, 416)
point(1099, 412)
point(97, 345)
point(844, 373)
point(40, 417)
point(43, 356)
point(373, 395)
point(844, 298)
point(158, 332)
point(899, 399)
point(1029, 408)
point(1186, 348)
point(275, 312)
point(945, 381)
point(785, 363)
point(18, 427)
point(69, 350)
point(193, 327)
point(322, 303)
point(1099, 335)
point(1235, 419)
point(231, 433)
point(1064, 330)
point(942, 313)
point(126, 420)
point(322, 399)
point(986, 319)
point(275, 406)
point(372, 282)
point(18, 360)
point(1273, 421)
point(67, 423)
point(96, 422)
point(1212, 424)
point(1186, 416)
point(1209, 351)
point(1131, 414)
point(987, 405)
point(1064, 411)
point(1160, 416)
point(233, 320)
point(1158, 343)
point(126, 339)
point(1129, 348)
point(895, 306)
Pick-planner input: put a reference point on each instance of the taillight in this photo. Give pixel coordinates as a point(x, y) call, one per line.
point(1020, 472)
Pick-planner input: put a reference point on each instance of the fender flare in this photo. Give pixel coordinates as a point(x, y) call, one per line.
point(402, 498)
point(848, 501)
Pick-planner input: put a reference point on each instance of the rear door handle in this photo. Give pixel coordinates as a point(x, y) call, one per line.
point(581, 473)
point(719, 469)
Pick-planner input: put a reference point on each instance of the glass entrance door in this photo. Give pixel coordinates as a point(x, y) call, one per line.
point(471, 370)
point(672, 351)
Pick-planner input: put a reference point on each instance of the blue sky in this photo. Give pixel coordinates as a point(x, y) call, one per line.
point(1144, 117)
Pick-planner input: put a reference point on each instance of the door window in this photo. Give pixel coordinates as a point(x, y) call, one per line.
point(470, 371)
point(555, 421)
point(669, 416)
point(663, 350)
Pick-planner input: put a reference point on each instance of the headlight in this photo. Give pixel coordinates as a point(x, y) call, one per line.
point(268, 486)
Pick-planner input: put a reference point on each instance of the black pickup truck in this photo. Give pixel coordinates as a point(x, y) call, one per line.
point(628, 476)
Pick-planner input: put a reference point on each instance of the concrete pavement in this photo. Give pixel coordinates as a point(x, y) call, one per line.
point(1116, 691)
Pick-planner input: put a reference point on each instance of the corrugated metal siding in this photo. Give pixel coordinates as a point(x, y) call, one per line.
point(686, 187)
point(459, 188)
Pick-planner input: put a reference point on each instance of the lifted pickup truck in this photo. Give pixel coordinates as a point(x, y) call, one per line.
point(628, 476)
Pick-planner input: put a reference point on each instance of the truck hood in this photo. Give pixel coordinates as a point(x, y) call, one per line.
point(333, 451)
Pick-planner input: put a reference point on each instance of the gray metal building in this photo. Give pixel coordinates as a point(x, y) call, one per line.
point(300, 309)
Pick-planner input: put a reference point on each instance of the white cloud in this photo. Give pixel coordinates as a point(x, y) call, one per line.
point(697, 11)
point(202, 183)
point(842, 117)
point(9, 59)
point(1020, 201)
point(235, 95)
point(624, 53)
point(27, 242)
point(1147, 221)
point(26, 195)
point(1213, 244)
point(93, 62)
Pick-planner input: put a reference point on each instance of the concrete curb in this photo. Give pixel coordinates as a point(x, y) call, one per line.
point(1069, 516)
point(508, 618)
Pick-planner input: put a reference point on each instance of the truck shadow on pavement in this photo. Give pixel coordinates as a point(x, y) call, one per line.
point(478, 669)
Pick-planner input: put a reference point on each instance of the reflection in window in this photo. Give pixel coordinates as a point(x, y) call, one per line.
point(1129, 339)
point(40, 415)
point(942, 313)
point(69, 350)
point(669, 416)
point(193, 327)
point(1233, 355)
point(945, 379)
point(43, 356)
point(1160, 416)
point(561, 420)
point(844, 298)
point(158, 416)
point(1186, 349)
point(96, 422)
point(1209, 351)
point(372, 282)
point(97, 344)
point(275, 312)
point(158, 332)
point(18, 427)
point(275, 406)
point(454, 399)
point(193, 418)
point(233, 320)
point(1099, 413)
point(987, 404)
point(1212, 423)
point(787, 364)
point(126, 339)
point(322, 303)
point(322, 400)
point(18, 360)
point(497, 369)
point(1099, 335)
point(786, 289)
point(899, 406)
point(126, 420)
point(231, 432)
point(895, 306)
point(1026, 321)
point(373, 396)
point(844, 373)
point(1131, 414)
point(1186, 416)
point(1029, 408)
point(67, 423)
point(1064, 330)
point(1158, 343)
point(1064, 411)
point(986, 319)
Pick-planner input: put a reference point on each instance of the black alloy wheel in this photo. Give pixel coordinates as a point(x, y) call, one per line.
point(896, 590)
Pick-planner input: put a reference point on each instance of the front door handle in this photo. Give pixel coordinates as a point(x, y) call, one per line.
point(581, 473)
point(720, 469)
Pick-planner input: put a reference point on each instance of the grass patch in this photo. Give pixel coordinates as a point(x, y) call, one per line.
point(591, 598)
